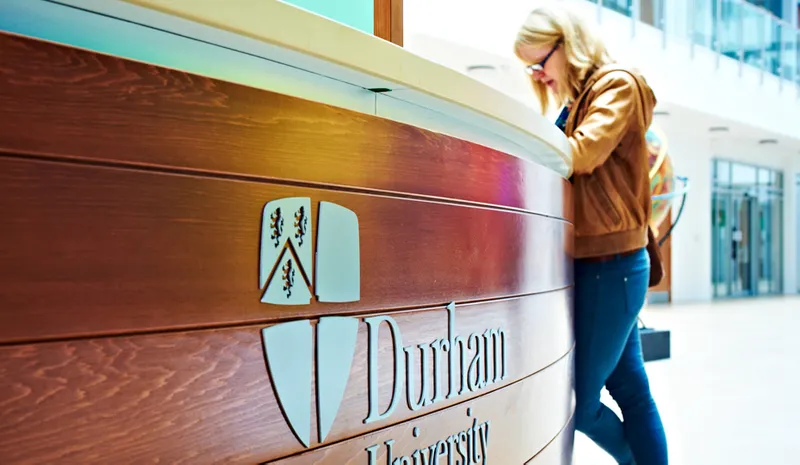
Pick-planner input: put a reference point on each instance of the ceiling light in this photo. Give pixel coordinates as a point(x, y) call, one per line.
point(481, 68)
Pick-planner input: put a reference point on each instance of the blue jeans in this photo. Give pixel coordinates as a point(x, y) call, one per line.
point(608, 352)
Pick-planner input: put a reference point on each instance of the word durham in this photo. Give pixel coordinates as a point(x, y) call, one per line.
point(451, 361)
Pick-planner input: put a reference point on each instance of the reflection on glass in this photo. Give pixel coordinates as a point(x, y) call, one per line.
point(770, 241)
point(789, 55)
point(772, 50)
point(620, 6)
point(729, 28)
point(765, 177)
point(722, 172)
point(753, 21)
point(652, 12)
point(720, 246)
point(677, 19)
point(797, 58)
point(746, 230)
point(703, 22)
point(742, 175)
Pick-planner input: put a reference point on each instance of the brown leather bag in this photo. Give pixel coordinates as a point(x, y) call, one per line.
point(656, 262)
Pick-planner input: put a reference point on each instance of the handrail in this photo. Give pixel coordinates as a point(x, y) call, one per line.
point(683, 193)
point(746, 33)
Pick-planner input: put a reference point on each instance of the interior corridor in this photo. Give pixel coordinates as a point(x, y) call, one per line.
point(730, 394)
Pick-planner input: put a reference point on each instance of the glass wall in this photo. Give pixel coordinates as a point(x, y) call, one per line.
point(729, 29)
point(620, 6)
point(747, 230)
point(746, 33)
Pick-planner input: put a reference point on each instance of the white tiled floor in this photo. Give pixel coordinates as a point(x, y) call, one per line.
point(730, 394)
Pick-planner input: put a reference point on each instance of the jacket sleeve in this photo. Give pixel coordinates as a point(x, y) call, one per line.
point(609, 116)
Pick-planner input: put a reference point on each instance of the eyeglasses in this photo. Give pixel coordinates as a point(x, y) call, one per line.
point(539, 67)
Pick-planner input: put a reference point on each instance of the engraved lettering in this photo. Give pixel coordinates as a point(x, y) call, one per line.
point(463, 438)
point(415, 403)
point(456, 350)
point(416, 456)
point(439, 450)
point(475, 380)
point(485, 440)
point(495, 343)
point(438, 389)
point(473, 444)
point(452, 442)
point(472, 363)
point(467, 447)
point(389, 445)
point(373, 325)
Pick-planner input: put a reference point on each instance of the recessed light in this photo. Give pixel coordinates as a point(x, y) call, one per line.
point(768, 141)
point(661, 113)
point(481, 68)
point(719, 129)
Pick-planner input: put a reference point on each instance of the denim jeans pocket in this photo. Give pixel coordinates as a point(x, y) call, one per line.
point(636, 284)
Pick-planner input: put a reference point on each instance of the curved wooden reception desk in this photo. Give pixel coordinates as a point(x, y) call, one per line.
point(219, 253)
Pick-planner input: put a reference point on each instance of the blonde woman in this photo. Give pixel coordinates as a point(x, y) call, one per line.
point(607, 109)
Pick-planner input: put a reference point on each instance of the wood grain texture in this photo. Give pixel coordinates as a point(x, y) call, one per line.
point(397, 22)
point(130, 311)
point(389, 20)
point(523, 419)
point(107, 109)
point(206, 396)
point(104, 251)
point(559, 451)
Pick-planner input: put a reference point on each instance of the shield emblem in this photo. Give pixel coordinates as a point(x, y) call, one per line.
point(285, 268)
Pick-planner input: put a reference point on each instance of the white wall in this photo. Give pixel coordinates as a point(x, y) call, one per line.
point(796, 196)
point(691, 152)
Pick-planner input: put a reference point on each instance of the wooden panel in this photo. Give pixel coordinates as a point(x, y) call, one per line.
point(389, 20)
point(101, 251)
point(130, 314)
point(207, 396)
point(397, 22)
point(523, 418)
point(101, 108)
point(558, 452)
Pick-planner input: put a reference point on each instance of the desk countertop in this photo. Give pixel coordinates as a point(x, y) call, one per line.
point(276, 46)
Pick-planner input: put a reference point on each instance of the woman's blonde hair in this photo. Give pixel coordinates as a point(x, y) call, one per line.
point(584, 50)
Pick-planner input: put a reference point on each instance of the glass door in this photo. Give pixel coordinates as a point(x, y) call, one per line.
point(721, 244)
point(742, 240)
point(747, 230)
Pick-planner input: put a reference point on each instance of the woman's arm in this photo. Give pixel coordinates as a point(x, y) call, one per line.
point(610, 115)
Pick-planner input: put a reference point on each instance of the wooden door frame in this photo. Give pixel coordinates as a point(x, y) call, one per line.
point(389, 20)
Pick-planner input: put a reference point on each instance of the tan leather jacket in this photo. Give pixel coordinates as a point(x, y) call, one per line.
point(611, 184)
